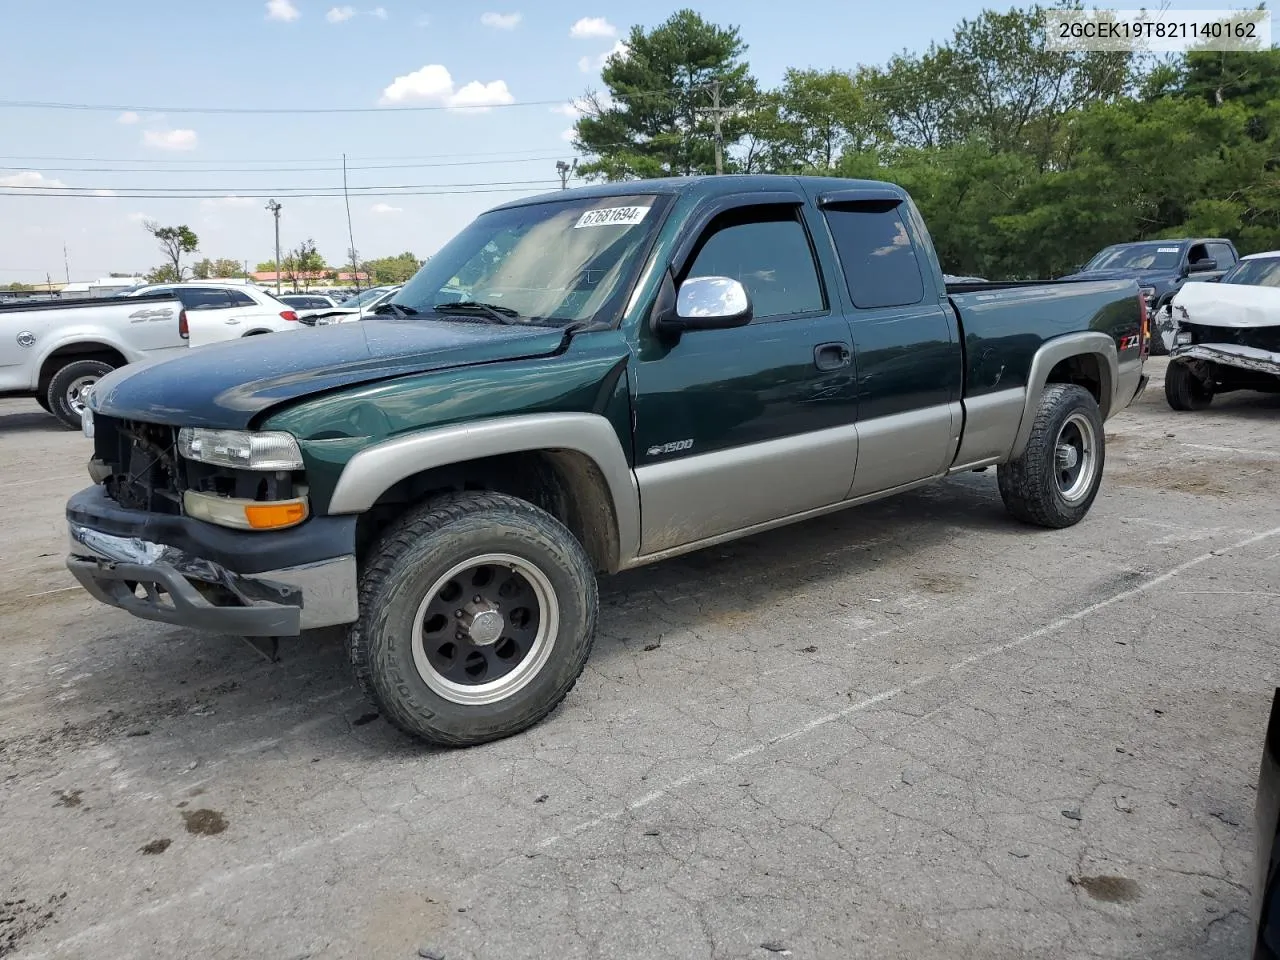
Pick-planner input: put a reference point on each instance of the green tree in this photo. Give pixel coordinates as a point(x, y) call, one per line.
point(17, 287)
point(395, 269)
point(175, 242)
point(301, 263)
point(164, 274)
point(808, 122)
point(655, 121)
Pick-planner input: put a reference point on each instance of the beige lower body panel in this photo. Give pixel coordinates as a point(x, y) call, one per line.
point(695, 498)
point(990, 425)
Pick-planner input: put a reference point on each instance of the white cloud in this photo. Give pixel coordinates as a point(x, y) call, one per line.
point(282, 10)
point(231, 200)
point(170, 139)
point(567, 110)
point(30, 179)
point(379, 12)
point(138, 217)
point(339, 14)
point(590, 27)
point(383, 209)
point(423, 21)
point(591, 64)
point(128, 117)
point(500, 21)
point(568, 136)
point(434, 84)
point(476, 96)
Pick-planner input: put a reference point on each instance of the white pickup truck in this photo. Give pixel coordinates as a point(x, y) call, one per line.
point(54, 352)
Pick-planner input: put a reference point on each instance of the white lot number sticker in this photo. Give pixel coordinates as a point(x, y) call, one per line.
point(612, 216)
point(1166, 250)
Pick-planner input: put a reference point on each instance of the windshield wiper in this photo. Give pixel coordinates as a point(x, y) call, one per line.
point(400, 312)
point(496, 314)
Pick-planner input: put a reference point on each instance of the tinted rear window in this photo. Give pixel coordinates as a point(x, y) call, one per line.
point(879, 262)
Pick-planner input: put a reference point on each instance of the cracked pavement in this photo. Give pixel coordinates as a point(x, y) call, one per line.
point(913, 729)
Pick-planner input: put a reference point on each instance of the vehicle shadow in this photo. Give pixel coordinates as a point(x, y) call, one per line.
point(170, 680)
point(26, 421)
point(1247, 405)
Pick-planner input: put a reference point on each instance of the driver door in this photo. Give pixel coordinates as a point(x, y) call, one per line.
point(743, 426)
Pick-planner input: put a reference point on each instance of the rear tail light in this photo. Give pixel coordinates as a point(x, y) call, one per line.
point(1145, 324)
point(288, 315)
point(183, 330)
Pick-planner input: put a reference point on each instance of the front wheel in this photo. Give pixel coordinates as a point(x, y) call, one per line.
point(477, 614)
point(69, 389)
point(1054, 482)
point(1184, 390)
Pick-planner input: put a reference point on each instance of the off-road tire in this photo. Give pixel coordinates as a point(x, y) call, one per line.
point(401, 568)
point(1184, 390)
point(1029, 485)
point(56, 393)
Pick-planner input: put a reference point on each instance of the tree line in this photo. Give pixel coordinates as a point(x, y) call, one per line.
point(300, 267)
point(1024, 161)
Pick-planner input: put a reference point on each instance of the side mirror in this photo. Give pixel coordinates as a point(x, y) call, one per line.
point(711, 303)
point(1206, 265)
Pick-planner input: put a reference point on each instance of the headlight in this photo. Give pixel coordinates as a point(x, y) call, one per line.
point(240, 448)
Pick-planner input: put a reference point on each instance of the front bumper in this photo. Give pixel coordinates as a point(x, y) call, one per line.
point(1252, 359)
point(116, 555)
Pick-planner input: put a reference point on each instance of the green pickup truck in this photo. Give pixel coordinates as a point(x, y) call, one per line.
point(581, 383)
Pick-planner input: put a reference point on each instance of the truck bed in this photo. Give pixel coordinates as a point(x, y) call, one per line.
point(1003, 324)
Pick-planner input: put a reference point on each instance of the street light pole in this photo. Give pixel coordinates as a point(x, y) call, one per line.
point(274, 209)
point(566, 170)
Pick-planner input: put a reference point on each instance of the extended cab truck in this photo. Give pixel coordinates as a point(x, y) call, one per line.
point(634, 371)
point(54, 351)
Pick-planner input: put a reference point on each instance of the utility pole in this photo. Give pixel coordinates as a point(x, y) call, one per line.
point(274, 209)
point(66, 263)
point(566, 170)
point(717, 111)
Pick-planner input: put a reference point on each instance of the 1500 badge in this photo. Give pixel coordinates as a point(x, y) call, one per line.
point(676, 446)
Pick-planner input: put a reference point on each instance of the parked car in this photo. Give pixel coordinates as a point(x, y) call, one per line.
point(732, 353)
point(54, 352)
point(353, 309)
point(307, 301)
point(1161, 267)
point(1225, 336)
point(218, 311)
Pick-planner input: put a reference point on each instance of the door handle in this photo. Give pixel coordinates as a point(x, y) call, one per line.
point(832, 356)
point(232, 320)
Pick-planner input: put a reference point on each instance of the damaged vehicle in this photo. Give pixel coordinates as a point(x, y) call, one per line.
point(1224, 336)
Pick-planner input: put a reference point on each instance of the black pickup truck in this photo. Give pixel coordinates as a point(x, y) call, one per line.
point(581, 383)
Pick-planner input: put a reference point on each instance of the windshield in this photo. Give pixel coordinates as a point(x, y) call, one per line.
point(1264, 272)
point(1138, 256)
point(366, 298)
point(554, 262)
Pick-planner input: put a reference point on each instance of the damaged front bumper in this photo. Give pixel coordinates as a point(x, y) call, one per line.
point(159, 568)
point(1253, 359)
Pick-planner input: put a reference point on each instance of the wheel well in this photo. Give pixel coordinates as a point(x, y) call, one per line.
point(565, 483)
point(77, 351)
point(1084, 370)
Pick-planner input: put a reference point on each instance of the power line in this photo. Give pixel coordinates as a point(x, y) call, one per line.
point(173, 160)
point(267, 191)
point(293, 169)
point(73, 195)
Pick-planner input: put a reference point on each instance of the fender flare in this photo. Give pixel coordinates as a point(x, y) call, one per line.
point(71, 339)
point(1092, 343)
point(376, 469)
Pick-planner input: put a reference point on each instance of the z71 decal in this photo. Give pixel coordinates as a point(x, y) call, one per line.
point(676, 446)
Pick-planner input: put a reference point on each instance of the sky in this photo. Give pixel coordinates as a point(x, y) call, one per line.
point(500, 78)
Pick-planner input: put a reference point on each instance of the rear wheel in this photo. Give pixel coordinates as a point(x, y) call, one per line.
point(477, 614)
point(1054, 482)
point(1184, 390)
point(69, 389)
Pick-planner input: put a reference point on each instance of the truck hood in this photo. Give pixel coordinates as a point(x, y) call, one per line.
point(1228, 305)
point(1145, 278)
point(227, 385)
